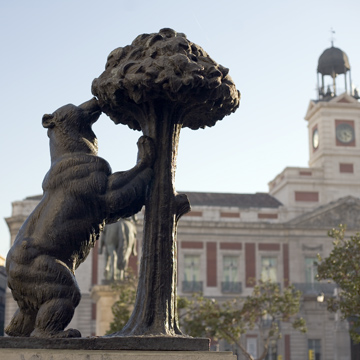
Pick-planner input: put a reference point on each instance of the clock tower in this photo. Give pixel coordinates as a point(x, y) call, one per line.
point(334, 122)
point(334, 141)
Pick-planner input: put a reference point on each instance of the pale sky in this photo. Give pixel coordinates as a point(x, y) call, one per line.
point(52, 50)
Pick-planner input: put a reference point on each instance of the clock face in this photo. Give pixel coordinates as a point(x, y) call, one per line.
point(315, 139)
point(345, 133)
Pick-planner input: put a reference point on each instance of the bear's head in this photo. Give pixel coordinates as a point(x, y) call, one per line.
point(69, 129)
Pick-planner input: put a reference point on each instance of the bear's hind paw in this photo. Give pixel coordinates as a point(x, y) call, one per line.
point(69, 333)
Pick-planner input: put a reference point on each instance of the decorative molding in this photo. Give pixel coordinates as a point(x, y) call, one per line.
point(312, 248)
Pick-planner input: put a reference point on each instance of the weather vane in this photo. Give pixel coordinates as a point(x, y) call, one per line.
point(332, 32)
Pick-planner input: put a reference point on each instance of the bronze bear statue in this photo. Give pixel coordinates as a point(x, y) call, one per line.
point(80, 195)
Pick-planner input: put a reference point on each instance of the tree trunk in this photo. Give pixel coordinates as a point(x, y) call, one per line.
point(155, 310)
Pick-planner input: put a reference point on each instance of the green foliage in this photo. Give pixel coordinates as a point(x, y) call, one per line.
point(228, 320)
point(263, 310)
point(122, 308)
point(342, 266)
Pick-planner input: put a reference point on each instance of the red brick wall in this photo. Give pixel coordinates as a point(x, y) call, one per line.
point(347, 168)
point(286, 264)
point(311, 196)
point(133, 263)
point(269, 247)
point(211, 264)
point(230, 246)
point(267, 216)
point(94, 269)
point(250, 264)
point(194, 213)
point(229, 214)
point(287, 347)
point(192, 245)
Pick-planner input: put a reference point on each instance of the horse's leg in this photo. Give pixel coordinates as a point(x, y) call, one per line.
point(112, 273)
point(106, 270)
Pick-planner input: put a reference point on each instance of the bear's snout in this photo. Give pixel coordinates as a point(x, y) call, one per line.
point(92, 110)
point(91, 106)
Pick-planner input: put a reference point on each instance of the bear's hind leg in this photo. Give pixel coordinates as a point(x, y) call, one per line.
point(22, 324)
point(53, 316)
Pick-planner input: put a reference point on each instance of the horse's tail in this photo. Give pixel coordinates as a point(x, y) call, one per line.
point(127, 238)
point(102, 241)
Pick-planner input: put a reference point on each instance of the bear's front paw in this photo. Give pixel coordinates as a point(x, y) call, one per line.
point(146, 151)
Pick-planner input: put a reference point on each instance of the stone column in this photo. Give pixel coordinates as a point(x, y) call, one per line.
point(104, 297)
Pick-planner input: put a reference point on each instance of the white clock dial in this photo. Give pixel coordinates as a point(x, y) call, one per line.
point(315, 139)
point(345, 133)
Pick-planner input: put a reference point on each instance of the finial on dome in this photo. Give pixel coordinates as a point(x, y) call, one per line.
point(332, 32)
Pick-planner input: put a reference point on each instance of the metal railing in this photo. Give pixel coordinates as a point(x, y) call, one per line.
point(192, 286)
point(315, 288)
point(231, 287)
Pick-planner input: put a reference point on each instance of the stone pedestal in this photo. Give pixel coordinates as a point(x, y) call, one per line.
point(119, 348)
point(104, 297)
point(26, 354)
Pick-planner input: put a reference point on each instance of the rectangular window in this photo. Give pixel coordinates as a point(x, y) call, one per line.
point(192, 281)
point(310, 269)
point(251, 346)
point(314, 349)
point(230, 279)
point(230, 268)
point(192, 268)
point(269, 269)
point(272, 351)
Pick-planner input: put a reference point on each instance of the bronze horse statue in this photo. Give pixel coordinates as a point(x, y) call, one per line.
point(118, 241)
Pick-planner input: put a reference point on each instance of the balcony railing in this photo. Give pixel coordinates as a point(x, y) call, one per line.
point(192, 286)
point(315, 288)
point(231, 287)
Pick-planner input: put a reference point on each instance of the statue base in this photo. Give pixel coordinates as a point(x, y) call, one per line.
point(146, 343)
point(119, 348)
point(21, 354)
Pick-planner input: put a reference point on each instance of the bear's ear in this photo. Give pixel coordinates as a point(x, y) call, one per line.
point(47, 121)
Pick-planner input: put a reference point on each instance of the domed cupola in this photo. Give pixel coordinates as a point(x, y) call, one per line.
point(333, 62)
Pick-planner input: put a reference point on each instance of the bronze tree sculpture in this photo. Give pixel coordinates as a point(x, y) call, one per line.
point(159, 84)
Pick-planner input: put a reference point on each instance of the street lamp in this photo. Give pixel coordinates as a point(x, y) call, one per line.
point(320, 298)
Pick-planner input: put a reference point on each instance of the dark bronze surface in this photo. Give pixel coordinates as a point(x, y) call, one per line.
point(159, 84)
point(80, 196)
